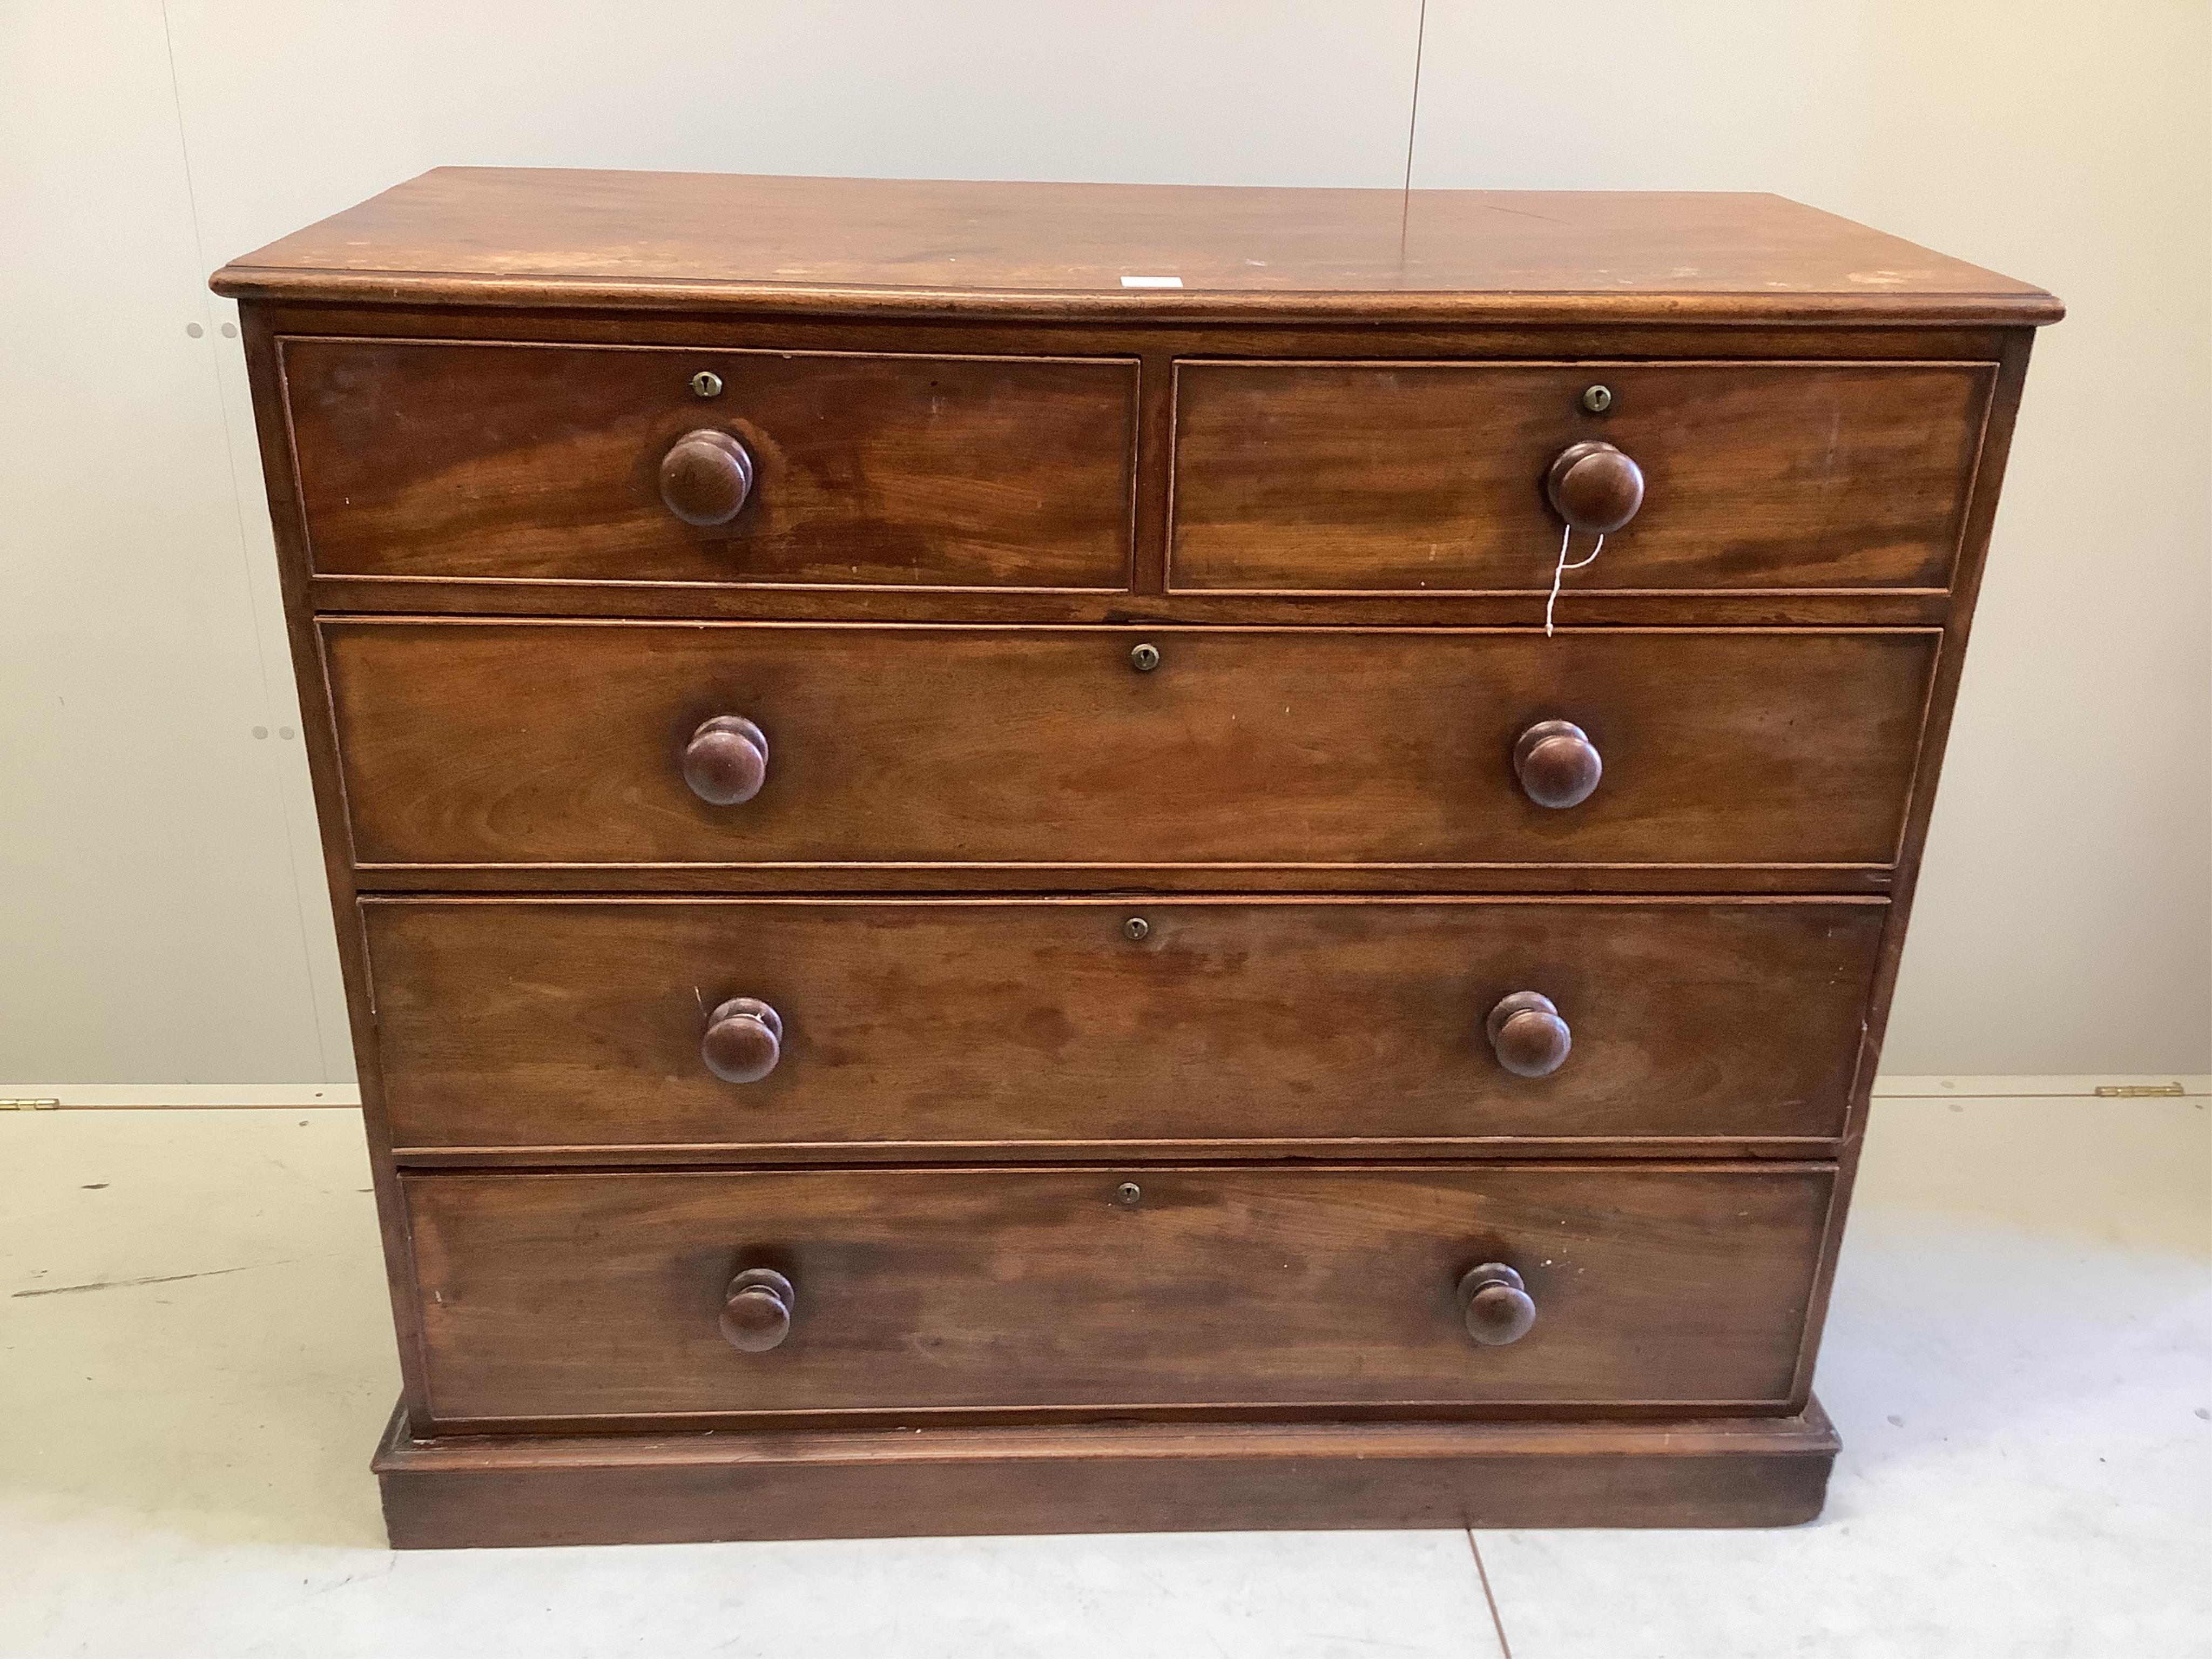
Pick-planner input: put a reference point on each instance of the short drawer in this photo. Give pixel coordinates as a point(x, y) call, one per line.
point(532, 743)
point(1429, 477)
point(998, 1028)
point(572, 1296)
point(530, 462)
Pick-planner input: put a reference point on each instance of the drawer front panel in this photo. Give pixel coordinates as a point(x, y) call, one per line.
point(1005, 1026)
point(1429, 478)
point(542, 462)
point(575, 1295)
point(522, 744)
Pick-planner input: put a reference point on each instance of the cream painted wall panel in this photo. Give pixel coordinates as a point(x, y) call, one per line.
point(147, 877)
point(2066, 901)
point(293, 112)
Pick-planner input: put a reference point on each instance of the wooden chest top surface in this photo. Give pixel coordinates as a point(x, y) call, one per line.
point(541, 236)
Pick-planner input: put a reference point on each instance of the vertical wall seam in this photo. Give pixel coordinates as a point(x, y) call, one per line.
point(1413, 130)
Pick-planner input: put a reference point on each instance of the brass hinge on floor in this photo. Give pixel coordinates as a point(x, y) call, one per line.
point(2136, 1091)
point(29, 1105)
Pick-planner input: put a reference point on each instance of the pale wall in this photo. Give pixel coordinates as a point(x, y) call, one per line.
point(158, 870)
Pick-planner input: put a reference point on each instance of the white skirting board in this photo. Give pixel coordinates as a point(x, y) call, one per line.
point(2091, 1086)
point(42, 1096)
point(198, 1095)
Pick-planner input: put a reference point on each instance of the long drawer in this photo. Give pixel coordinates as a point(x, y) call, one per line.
point(1428, 478)
point(552, 1296)
point(1012, 1027)
point(527, 744)
point(517, 461)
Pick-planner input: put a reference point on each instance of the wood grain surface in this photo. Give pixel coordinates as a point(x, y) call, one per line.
point(576, 1297)
point(937, 1481)
point(519, 744)
point(1031, 1025)
point(512, 461)
point(1429, 477)
point(555, 237)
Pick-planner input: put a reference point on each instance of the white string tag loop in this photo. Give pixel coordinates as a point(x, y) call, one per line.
point(1560, 570)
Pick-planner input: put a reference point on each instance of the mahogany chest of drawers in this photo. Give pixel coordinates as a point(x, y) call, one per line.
point(1004, 864)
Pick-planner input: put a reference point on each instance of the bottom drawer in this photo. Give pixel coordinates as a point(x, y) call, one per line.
point(573, 1296)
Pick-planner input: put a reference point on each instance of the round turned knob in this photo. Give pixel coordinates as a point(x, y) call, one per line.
point(1557, 763)
point(726, 759)
point(1595, 487)
point(705, 477)
point(743, 1040)
point(1494, 1304)
point(1528, 1034)
point(757, 1311)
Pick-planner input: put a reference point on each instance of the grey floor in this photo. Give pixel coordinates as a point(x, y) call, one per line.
point(194, 1363)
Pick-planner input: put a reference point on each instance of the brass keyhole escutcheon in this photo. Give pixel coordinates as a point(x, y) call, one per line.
point(707, 384)
point(1128, 1194)
point(1597, 399)
point(1136, 927)
point(1144, 658)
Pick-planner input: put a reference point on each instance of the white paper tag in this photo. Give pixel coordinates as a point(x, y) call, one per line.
point(1152, 281)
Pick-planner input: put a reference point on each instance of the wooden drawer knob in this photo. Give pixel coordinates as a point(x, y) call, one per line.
point(1557, 763)
point(1528, 1034)
point(743, 1040)
point(705, 477)
point(757, 1311)
point(726, 759)
point(1595, 487)
point(1495, 1305)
